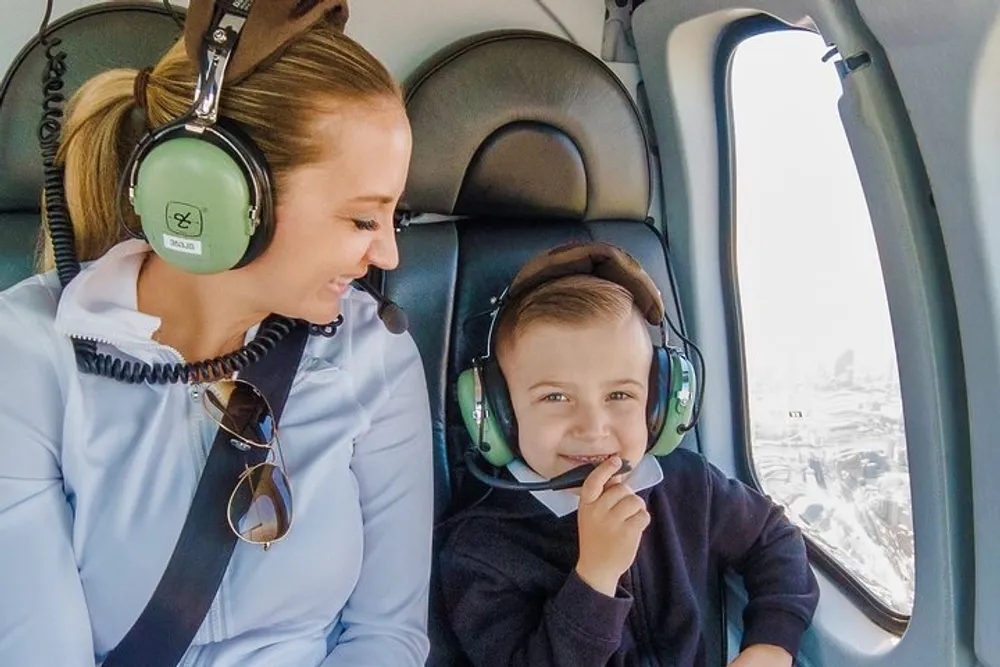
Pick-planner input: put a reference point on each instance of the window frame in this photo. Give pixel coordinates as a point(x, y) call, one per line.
point(729, 41)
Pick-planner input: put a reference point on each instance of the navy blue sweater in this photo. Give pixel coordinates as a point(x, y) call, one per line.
point(513, 598)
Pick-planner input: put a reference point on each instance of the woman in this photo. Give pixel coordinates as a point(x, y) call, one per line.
point(97, 476)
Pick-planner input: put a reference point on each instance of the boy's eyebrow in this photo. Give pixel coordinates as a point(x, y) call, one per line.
point(630, 381)
point(563, 385)
point(549, 383)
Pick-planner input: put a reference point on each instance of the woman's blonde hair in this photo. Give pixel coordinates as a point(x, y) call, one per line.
point(574, 300)
point(275, 105)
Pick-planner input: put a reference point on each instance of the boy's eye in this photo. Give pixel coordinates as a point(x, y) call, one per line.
point(619, 396)
point(554, 398)
point(366, 224)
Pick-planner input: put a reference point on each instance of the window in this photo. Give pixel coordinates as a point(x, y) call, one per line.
point(825, 417)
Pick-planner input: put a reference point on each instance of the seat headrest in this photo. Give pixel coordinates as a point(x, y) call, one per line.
point(94, 39)
point(522, 124)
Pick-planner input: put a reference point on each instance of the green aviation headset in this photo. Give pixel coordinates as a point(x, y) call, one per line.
point(199, 185)
point(483, 397)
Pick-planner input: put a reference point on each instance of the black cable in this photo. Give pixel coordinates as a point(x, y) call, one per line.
point(558, 21)
point(700, 388)
point(174, 15)
point(461, 513)
point(271, 332)
point(49, 129)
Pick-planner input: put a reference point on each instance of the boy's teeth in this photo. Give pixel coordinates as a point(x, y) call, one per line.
point(591, 459)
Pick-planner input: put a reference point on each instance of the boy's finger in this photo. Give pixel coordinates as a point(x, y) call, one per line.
point(626, 506)
point(623, 473)
point(593, 486)
point(611, 495)
point(640, 520)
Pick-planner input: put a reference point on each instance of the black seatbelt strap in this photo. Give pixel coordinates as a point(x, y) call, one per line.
point(168, 624)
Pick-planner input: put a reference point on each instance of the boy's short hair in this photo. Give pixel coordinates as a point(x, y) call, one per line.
point(574, 299)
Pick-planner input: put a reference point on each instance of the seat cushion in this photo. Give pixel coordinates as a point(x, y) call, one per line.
point(18, 239)
point(515, 123)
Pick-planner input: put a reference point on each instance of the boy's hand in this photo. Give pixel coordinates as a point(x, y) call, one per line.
point(762, 655)
point(611, 519)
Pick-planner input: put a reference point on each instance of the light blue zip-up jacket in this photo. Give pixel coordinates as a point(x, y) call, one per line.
point(96, 478)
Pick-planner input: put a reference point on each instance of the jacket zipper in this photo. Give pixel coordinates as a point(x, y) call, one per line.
point(125, 347)
point(213, 626)
point(211, 622)
point(640, 626)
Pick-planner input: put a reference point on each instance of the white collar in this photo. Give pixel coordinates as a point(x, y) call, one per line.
point(648, 473)
point(101, 303)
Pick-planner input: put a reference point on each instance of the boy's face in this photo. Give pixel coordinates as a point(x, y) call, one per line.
point(579, 392)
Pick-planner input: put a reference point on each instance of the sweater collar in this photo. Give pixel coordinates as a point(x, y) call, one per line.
point(562, 503)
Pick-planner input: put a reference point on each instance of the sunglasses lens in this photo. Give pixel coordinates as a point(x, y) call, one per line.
point(241, 409)
point(265, 493)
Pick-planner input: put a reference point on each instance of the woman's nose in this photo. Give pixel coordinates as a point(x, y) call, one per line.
point(383, 251)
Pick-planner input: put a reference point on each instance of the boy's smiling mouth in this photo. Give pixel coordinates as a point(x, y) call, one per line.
point(591, 458)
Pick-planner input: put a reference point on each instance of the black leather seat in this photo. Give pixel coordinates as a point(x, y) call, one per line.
point(96, 38)
point(521, 141)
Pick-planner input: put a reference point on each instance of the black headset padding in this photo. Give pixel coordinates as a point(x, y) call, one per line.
point(247, 155)
point(260, 172)
point(498, 400)
point(658, 395)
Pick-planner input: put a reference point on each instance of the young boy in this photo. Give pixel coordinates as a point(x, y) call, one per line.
point(624, 581)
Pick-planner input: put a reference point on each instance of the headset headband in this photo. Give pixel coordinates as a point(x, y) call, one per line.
point(270, 25)
point(594, 258)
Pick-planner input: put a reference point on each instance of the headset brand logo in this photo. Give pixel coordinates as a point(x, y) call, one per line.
point(184, 219)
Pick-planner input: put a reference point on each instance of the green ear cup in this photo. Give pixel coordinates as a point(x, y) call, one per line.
point(194, 203)
point(680, 403)
point(494, 448)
